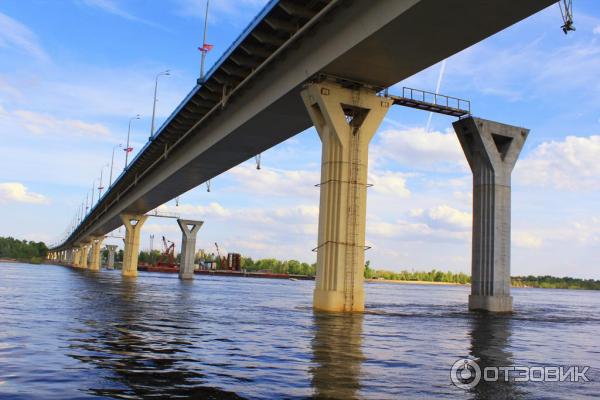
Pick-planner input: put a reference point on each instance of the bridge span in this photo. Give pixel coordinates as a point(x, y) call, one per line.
point(324, 63)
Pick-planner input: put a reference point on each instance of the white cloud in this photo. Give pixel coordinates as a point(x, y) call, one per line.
point(527, 240)
point(449, 217)
point(112, 7)
point(436, 224)
point(10, 90)
point(18, 121)
point(275, 182)
point(420, 150)
point(286, 232)
point(15, 192)
point(597, 30)
point(534, 69)
point(443, 217)
point(15, 35)
point(572, 164)
point(389, 183)
point(202, 211)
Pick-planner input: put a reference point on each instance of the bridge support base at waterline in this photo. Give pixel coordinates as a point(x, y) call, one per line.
point(95, 256)
point(110, 262)
point(346, 120)
point(492, 150)
point(76, 258)
point(84, 250)
point(189, 230)
point(133, 228)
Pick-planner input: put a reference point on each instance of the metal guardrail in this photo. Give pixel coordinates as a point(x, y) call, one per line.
point(163, 214)
point(434, 102)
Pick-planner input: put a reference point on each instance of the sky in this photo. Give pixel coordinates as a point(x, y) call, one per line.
point(73, 73)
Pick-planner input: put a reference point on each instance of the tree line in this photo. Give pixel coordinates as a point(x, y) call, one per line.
point(425, 276)
point(292, 267)
point(552, 282)
point(36, 252)
point(23, 250)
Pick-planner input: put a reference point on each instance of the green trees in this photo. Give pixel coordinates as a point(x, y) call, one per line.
point(292, 267)
point(23, 250)
point(551, 282)
point(149, 257)
point(431, 276)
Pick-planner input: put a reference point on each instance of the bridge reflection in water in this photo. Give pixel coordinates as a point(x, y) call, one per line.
point(490, 338)
point(146, 348)
point(337, 355)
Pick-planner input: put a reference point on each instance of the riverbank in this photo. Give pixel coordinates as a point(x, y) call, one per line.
point(416, 282)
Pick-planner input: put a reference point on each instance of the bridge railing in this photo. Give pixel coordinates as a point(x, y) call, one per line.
point(434, 102)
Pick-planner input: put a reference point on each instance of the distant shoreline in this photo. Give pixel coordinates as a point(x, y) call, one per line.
point(417, 282)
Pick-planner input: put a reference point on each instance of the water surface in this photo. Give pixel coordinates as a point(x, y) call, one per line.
point(67, 333)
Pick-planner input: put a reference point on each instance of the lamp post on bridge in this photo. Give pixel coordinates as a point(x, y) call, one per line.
point(112, 161)
point(100, 187)
point(205, 46)
point(164, 73)
point(129, 149)
point(93, 190)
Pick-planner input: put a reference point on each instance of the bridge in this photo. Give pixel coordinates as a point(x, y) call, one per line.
point(322, 63)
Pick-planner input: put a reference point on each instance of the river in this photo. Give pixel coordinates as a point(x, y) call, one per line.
point(73, 334)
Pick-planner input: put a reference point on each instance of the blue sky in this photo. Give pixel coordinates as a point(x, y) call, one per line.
point(73, 72)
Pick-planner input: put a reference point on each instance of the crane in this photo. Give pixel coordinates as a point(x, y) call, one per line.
point(221, 261)
point(167, 258)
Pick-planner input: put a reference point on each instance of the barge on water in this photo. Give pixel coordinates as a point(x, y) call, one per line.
point(240, 274)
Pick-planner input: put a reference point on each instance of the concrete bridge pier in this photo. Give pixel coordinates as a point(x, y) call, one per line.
point(85, 251)
point(95, 256)
point(346, 120)
point(69, 256)
point(76, 258)
point(133, 228)
point(110, 262)
point(492, 150)
point(189, 230)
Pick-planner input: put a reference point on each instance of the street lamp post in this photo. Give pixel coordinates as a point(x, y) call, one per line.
point(165, 73)
point(204, 49)
point(93, 190)
point(129, 149)
point(112, 161)
point(100, 187)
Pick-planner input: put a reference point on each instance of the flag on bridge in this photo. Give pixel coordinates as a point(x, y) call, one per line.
point(206, 48)
point(128, 149)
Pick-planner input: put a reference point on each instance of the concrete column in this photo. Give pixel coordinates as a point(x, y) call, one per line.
point(189, 230)
point(76, 258)
point(95, 256)
point(492, 150)
point(85, 250)
point(110, 263)
point(133, 227)
point(346, 120)
point(70, 256)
